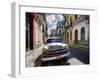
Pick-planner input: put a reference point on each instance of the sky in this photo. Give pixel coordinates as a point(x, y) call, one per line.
point(52, 20)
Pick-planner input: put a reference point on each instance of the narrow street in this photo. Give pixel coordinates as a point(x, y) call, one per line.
point(50, 33)
point(82, 54)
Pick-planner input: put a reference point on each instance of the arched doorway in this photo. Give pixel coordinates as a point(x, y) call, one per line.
point(67, 37)
point(29, 31)
point(76, 36)
point(82, 33)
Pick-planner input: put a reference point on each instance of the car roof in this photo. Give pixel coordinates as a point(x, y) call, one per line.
point(54, 37)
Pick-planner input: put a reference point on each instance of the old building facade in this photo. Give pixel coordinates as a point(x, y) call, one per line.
point(60, 30)
point(81, 29)
point(77, 29)
point(69, 28)
point(29, 31)
point(36, 30)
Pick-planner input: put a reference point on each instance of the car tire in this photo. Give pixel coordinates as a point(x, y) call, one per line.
point(64, 61)
point(44, 63)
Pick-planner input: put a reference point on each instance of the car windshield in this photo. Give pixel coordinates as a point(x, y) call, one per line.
point(52, 40)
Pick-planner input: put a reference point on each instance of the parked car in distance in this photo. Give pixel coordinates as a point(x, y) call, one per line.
point(54, 50)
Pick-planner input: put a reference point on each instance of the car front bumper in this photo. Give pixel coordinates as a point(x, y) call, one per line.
point(55, 57)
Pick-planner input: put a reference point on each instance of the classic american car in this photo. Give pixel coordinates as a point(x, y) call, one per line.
point(55, 49)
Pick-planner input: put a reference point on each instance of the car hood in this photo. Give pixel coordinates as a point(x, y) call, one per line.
point(56, 46)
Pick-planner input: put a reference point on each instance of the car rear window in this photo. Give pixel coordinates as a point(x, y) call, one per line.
point(54, 40)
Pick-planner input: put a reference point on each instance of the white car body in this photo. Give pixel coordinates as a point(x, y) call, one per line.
point(62, 44)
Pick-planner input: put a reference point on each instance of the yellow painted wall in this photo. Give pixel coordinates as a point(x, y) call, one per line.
point(70, 41)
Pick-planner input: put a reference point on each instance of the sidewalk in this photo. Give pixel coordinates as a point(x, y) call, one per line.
point(36, 53)
point(74, 61)
point(32, 55)
point(82, 46)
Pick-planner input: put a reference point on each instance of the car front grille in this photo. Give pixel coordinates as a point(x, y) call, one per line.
point(53, 48)
point(55, 53)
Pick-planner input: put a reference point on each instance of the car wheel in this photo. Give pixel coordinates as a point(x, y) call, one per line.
point(64, 61)
point(44, 63)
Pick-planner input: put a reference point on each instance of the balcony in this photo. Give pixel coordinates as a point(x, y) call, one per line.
point(82, 18)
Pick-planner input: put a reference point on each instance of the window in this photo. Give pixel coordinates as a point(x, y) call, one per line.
point(82, 33)
point(70, 35)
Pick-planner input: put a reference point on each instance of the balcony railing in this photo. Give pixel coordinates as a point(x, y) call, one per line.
point(83, 18)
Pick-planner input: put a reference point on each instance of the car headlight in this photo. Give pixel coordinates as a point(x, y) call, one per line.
point(65, 46)
point(45, 49)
